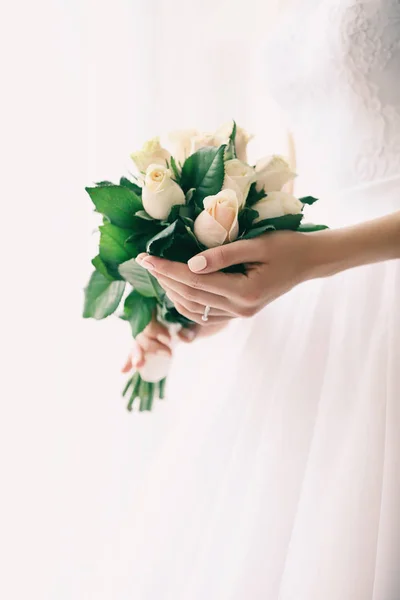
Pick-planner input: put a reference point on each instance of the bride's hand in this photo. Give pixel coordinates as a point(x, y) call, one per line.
point(275, 263)
point(153, 339)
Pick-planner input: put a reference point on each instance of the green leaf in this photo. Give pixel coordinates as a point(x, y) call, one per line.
point(287, 222)
point(230, 151)
point(102, 296)
point(115, 202)
point(141, 280)
point(115, 247)
point(253, 233)
point(138, 310)
point(204, 170)
point(169, 314)
point(143, 229)
point(108, 271)
point(175, 170)
point(177, 242)
point(246, 218)
point(131, 186)
point(310, 227)
point(253, 196)
point(308, 200)
point(136, 380)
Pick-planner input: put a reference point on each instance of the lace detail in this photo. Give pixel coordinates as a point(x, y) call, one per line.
point(336, 71)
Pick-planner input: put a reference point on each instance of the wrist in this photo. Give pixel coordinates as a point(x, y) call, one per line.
point(336, 250)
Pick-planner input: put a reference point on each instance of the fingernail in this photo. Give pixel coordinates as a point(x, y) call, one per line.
point(164, 339)
point(197, 263)
point(188, 334)
point(147, 264)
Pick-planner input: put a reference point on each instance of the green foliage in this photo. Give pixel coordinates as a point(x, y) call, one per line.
point(204, 170)
point(230, 151)
point(115, 245)
point(108, 271)
point(175, 170)
point(177, 242)
point(308, 200)
point(138, 310)
point(310, 227)
point(287, 222)
point(253, 196)
point(131, 186)
point(141, 280)
point(117, 203)
point(246, 218)
point(102, 296)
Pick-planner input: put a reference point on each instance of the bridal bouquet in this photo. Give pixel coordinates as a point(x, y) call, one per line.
point(200, 196)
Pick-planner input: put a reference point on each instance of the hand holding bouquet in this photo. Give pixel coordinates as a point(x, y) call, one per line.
point(201, 196)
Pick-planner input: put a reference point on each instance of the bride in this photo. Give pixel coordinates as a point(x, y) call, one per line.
point(281, 478)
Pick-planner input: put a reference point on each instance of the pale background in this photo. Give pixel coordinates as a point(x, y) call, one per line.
point(84, 84)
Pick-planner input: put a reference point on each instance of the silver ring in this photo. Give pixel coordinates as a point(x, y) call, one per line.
point(206, 313)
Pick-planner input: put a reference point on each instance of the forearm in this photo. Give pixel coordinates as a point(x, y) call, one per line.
point(367, 243)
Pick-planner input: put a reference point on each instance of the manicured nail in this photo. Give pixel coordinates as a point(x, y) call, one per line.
point(197, 263)
point(164, 339)
point(147, 264)
point(188, 334)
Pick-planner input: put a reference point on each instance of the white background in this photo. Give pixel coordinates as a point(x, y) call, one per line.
point(84, 84)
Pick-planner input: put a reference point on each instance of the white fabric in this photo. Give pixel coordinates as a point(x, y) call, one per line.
point(281, 477)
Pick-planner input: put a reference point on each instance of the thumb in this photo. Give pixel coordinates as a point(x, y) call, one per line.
point(221, 257)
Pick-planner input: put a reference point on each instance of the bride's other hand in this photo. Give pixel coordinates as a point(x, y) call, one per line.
point(275, 263)
point(155, 338)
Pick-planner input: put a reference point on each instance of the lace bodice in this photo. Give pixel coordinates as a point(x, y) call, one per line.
point(334, 67)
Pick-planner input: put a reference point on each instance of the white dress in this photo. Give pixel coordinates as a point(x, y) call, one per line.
point(280, 476)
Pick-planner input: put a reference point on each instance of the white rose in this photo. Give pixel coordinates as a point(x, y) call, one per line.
point(272, 173)
point(277, 204)
point(223, 134)
point(203, 140)
point(160, 192)
point(218, 223)
point(187, 142)
point(152, 153)
point(156, 367)
point(181, 143)
point(238, 177)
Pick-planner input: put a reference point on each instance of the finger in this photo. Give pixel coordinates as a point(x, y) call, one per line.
point(197, 296)
point(188, 334)
point(157, 331)
point(137, 356)
point(151, 345)
point(197, 318)
point(194, 307)
point(128, 366)
point(219, 258)
point(223, 284)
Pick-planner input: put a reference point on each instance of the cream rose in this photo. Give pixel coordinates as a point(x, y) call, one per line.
point(181, 143)
point(277, 204)
point(238, 177)
point(272, 173)
point(152, 153)
point(223, 134)
point(160, 192)
point(186, 142)
point(218, 223)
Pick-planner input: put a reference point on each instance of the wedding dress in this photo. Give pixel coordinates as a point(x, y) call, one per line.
point(280, 476)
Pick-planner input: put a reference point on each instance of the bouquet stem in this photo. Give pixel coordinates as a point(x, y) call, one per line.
point(145, 391)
